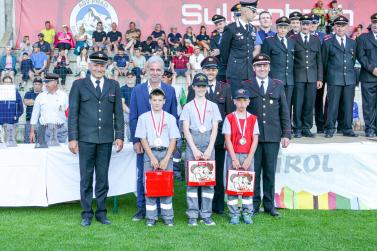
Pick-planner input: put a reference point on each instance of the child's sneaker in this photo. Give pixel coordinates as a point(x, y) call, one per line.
point(234, 220)
point(209, 222)
point(151, 223)
point(193, 222)
point(169, 223)
point(247, 219)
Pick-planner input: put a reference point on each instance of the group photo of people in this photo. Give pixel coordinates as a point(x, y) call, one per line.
point(210, 108)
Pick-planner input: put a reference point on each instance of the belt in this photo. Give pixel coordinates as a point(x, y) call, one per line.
point(159, 149)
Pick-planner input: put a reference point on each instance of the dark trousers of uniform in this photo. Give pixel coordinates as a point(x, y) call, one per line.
point(340, 96)
point(319, 109)
point(166, 203)
point(303, 106)
point(94, 157)
point(369, 96)
point(340, 118)
point(289, 95)
point(265, 161)
point(218, 198)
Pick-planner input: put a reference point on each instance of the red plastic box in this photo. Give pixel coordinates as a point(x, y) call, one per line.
point(159, 183)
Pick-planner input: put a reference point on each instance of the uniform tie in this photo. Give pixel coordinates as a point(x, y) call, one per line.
point(306, 40)
point(211, 93)
point(261, 88)
point(282, 42)
point(342, 42)
point(98, 88)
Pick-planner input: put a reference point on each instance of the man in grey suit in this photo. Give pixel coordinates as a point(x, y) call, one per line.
point(95, 116)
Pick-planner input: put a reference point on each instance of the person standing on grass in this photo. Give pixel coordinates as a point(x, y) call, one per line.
point(158, 133)
point(139, 104)
point(241, 139)
point(201, 119)
point(95, 116)
point(268, 103)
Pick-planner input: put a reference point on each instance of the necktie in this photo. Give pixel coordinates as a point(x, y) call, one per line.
point(261, 88)
point(342, 42)
point(306, 40)
point(98, 88)
point(211, 91)
point(282, 42)
point(247, 26)
point(221, 37)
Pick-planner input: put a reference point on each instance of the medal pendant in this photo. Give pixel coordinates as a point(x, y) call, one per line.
point(243, 141)
point(157, 142)
point(202, 129)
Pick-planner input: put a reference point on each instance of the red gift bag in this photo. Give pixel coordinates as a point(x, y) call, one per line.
point(240, 183)
point(159, 183)
point(201, 173)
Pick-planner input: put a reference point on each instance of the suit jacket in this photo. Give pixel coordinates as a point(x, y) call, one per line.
point(281, 58)
point(308, 66)
point(236, 50)
point(215, 43)
point(94, 119)
point(271, 110)
point(139, 104)
point(367, 56)
point(223, 98)
point(338, 63)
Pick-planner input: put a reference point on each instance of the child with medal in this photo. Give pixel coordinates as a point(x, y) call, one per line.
point(200, 124)
point(158, 132)
point(241, 139)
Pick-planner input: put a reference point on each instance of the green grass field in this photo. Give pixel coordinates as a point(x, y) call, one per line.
point(58, 228)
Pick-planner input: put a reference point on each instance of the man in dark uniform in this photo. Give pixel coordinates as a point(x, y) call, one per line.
point(268, 103)
point(281, 51)
point(95, 116)
point(215, 42)
point(219, 93)
point(294, 17)
point(239, 45)
point(367, 56)
point(319, 109)
point(308, 73)
point(339, 57)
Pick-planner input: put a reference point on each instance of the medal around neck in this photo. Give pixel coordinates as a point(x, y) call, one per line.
point(202, 116)
point(158, 129)
point(243, 140)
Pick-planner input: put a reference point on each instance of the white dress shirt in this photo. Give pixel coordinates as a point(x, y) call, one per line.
point(265, 84)
point(102, 81)
point(213, 87)
point(285, 41)
point(150, 87)
point(339, 39)
point(303, 37)
point(49, 108)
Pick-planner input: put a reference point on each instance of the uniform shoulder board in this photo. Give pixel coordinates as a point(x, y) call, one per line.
point(277, 81)
point(292, 36)
point(315, 35)
point(269, 37)
point(327, 37)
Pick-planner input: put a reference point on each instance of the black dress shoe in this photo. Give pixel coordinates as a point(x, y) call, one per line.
point(273, 212)
point(308, 134)
point(86, 222)
point(298, 135)
point(320, 131)
point(370, 134)
point(329, 135)
point(256, 210)
point(350, 134)
point(104, 221)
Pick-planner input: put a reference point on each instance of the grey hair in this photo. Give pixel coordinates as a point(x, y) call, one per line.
point(155, 59)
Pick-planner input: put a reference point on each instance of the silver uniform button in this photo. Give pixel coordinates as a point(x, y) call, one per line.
point(264, 122)
point(99, 110)
point(100, 119)
point(264, 106)
point(99, 128)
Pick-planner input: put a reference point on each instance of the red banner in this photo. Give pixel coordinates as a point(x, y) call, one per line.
point(31, 14)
